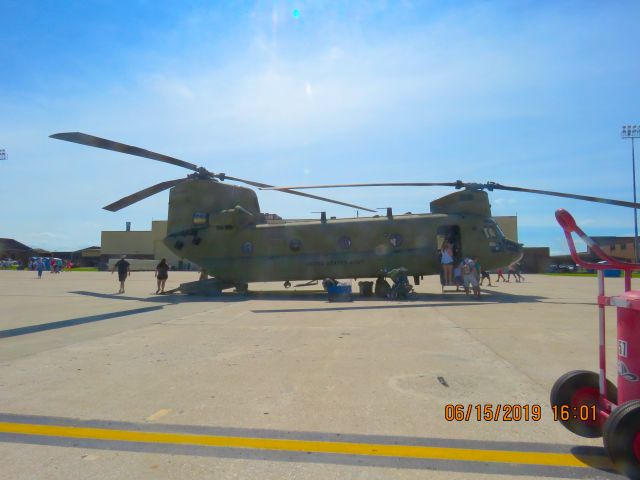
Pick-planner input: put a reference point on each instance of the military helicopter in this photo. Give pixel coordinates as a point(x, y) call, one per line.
point(220, 227)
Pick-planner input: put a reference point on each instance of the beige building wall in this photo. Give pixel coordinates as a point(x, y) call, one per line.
point(148, 243)
point(509, 225)
point(129, 243)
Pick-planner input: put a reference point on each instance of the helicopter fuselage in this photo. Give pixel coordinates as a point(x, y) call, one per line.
point(220, 228)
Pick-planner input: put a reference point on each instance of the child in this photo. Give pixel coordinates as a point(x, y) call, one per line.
point(457, 277)
point(470, 277)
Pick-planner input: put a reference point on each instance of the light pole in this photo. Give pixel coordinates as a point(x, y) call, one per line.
point(633, 132)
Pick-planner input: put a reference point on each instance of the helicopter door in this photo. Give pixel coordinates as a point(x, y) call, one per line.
point(451, 233)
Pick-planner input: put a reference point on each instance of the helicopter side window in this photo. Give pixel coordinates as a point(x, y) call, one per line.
point(247, 248)
point(344, 243)
point(395, 239)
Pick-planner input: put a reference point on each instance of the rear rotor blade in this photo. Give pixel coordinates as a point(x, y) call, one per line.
point(348, 185)
point(91, 141)
point(586, 198)
point(474, 186)
point(142, 194)
point(265, 186)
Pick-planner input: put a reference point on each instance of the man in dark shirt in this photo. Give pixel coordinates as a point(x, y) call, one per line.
point(123, 271)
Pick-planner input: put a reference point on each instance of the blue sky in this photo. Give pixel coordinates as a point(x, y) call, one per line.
point(531, 94)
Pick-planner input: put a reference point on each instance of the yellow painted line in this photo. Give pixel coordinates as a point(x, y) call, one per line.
point(342, 448)
point(159, 414)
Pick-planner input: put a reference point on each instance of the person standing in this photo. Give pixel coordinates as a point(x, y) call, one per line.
point(500, 276)
point(485, 275)
point(470, 276)
point(123, 271)
point(447, 262)
point(162, 273)
point(482, 274)
point(39, 266)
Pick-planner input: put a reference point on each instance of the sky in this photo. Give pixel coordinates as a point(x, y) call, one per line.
point(525, 93)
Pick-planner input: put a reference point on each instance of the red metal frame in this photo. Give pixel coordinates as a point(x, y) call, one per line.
point(568, 224)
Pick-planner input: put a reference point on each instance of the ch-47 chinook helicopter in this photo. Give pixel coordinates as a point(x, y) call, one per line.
point(220, 227)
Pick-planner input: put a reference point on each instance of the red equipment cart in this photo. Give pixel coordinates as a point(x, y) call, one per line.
point(586, 403)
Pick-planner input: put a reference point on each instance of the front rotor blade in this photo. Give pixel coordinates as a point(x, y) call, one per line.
point(348, 185)
point(142, 194)
point(91, 141)
point(265, 186)
point(586, 198)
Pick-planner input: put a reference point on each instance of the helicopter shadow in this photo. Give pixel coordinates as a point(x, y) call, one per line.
point(73, 322)
point(166, 299)
point(416, 300)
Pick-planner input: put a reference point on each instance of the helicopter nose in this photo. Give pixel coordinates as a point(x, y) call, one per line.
point(512, 247)
point(514, 250)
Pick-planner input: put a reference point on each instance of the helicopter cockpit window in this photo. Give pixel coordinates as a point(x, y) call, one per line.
point(495, 236)
point(295, 245)
point(200, 218)
point(490, 232)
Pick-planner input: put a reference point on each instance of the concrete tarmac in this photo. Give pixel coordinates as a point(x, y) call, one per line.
point(283, 384)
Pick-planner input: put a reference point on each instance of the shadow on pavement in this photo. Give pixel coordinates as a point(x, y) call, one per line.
point(596, 458)
point(42, 327)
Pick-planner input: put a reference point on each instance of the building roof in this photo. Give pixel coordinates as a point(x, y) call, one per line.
point(11, 245)
point(608, 239)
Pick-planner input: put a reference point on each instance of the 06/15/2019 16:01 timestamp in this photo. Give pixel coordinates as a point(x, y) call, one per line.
point(516, 412)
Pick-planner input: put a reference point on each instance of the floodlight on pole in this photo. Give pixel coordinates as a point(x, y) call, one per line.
point(633, 132)
point(3, 154)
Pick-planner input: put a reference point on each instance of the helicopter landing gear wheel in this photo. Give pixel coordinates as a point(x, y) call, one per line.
point(622, 438)
point(287, 284)
point(574, 390)
point(242, 288)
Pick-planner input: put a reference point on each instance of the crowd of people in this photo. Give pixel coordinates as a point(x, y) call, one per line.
point(468, 274)
point(50, 264)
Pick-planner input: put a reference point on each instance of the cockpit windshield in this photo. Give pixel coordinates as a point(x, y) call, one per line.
point(492, 231)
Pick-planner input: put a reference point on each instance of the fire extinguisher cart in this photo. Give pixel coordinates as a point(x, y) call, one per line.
point(590, 405)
